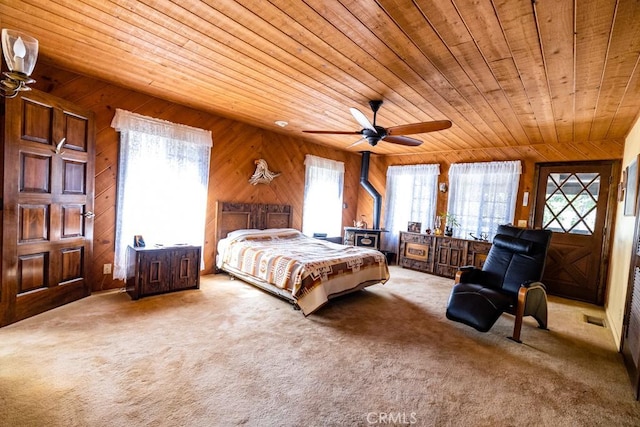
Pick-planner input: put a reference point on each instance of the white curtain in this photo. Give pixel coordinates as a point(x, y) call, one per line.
point(411, 195)
point(163, 173)
point(322, 210)
point(483, 196)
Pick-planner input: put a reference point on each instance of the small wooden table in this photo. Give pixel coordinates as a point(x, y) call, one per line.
point(156, 270)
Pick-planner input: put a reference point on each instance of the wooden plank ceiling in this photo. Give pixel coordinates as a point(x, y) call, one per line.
point(505, 72)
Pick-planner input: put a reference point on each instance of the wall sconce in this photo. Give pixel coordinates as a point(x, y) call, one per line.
point(442, 187)
point(20, 53)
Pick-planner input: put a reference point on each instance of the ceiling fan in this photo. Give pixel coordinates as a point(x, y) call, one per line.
point(374, 134)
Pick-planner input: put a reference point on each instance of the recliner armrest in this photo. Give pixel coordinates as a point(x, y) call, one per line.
point(467, 274)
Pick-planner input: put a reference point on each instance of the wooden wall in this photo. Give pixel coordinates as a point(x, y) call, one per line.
point(235, 147)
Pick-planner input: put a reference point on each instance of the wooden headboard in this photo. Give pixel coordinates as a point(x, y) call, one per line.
point(235, 216)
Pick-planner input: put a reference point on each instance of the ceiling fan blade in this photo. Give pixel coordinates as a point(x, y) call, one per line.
point(360, 141)
point(423, 127)
point(362, 119)
point(402, 140)
point(335, 132)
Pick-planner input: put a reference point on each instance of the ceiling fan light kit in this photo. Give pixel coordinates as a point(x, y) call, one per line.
point(373, 133)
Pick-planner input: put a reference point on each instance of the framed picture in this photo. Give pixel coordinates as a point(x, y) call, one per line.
point(138, 241)
point(622, 185)
point(631, 188)
point(414, 227)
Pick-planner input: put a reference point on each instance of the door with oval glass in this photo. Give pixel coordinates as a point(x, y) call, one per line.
point(574, 200)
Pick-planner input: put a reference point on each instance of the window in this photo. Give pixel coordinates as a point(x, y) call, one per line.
point(322, 210)
point(411, 195)
point(571, 201)
point(163, 173)
point(482, 196)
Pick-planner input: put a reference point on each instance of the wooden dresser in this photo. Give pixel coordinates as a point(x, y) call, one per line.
point(440, 255)
point(157, 270)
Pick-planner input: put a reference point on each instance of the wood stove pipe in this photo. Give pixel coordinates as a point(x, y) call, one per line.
point(364, 181)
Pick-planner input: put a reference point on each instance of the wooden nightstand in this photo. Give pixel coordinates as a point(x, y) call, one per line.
point(157, 270)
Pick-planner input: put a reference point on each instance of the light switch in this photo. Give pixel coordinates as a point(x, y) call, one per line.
point(525, 198)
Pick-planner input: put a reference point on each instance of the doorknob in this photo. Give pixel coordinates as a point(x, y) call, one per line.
point(88, 214)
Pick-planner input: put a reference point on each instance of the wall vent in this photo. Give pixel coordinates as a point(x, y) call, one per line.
point(598, 321)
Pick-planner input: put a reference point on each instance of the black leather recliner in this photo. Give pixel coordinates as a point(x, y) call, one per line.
point(508, 282)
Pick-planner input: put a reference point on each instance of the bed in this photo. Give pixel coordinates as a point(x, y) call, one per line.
point(257, 245)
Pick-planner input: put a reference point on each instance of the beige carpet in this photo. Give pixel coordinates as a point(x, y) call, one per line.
point(230, 354)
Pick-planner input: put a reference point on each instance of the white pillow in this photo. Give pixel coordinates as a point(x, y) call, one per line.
point(253, 232)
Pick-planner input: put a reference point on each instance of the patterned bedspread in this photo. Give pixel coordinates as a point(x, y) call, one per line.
point(310, 269)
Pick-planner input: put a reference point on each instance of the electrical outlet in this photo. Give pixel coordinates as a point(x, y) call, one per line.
point(106, 269)
point(522, 223)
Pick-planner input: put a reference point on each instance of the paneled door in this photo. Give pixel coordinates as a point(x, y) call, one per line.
point(574, 200)
point(48, 192)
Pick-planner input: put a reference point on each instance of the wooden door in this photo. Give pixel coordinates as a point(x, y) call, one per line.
point(574, 200)
point(48, 192)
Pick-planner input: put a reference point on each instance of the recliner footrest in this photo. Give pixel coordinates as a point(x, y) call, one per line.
point(476, 306)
